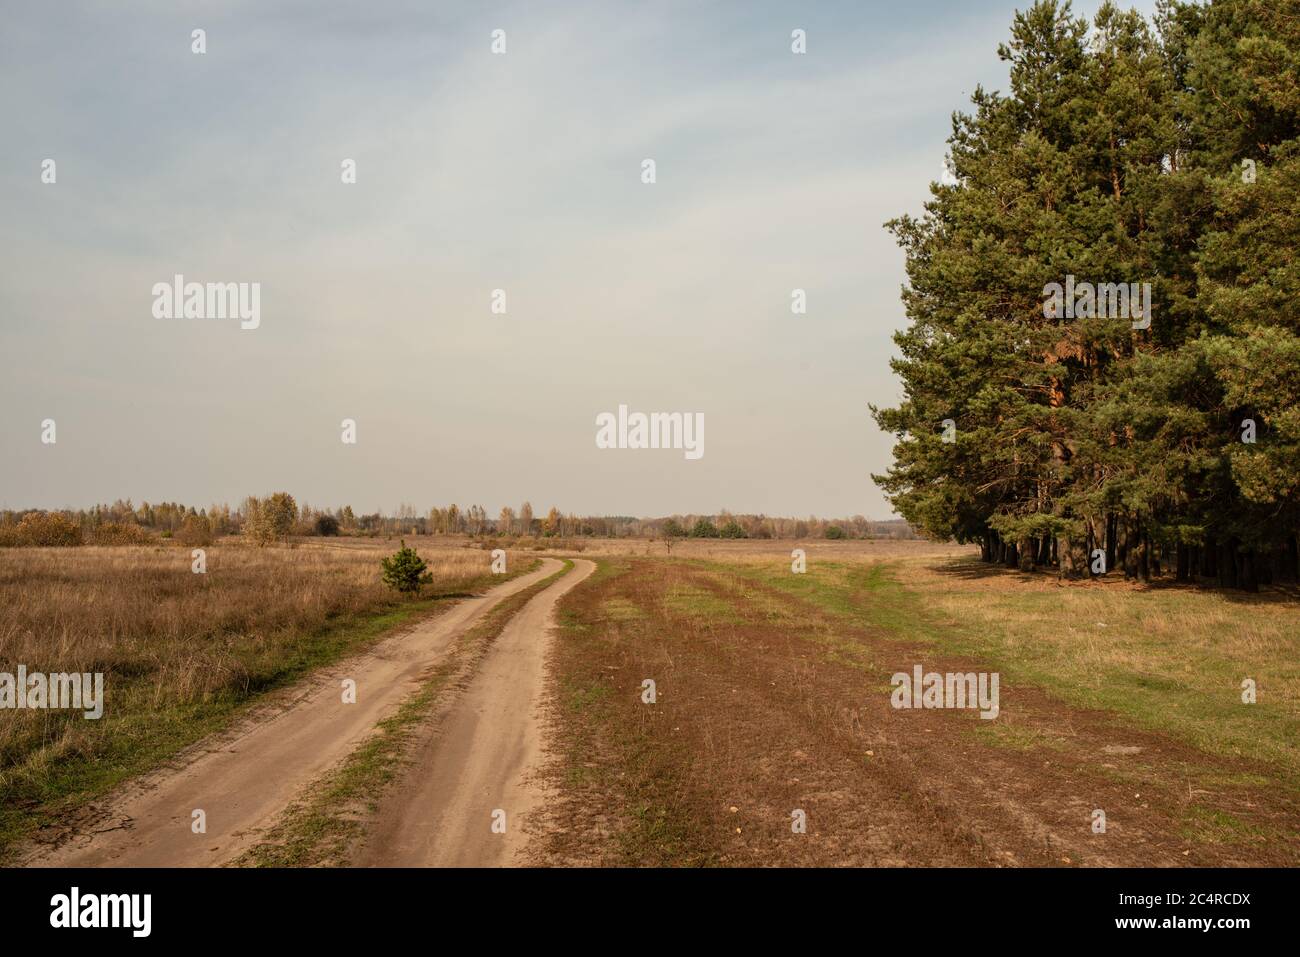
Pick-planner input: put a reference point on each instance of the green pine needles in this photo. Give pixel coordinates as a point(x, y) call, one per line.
point(406, 571)
point(1124, 153)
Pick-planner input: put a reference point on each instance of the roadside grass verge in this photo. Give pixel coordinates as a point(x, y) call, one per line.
point(321, 829)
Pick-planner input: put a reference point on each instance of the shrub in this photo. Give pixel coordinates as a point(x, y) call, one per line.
point(119, 533)
point(266, 519)
point(47, 529)
point(196, 530)
point(327, 525)
point(405, 570)
point(834, 531)
point(732, 529)
point(257, 524)
point(704, 528)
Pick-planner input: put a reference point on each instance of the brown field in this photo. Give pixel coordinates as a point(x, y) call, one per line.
point(773, 696)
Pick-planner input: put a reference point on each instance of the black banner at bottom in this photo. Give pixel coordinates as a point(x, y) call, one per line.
point(333, 907)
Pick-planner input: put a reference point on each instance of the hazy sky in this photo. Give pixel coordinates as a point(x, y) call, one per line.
point(475, 172)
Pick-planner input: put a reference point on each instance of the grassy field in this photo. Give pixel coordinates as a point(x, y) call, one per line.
point(1170, 659)
point(774, 698)
point(772, 703)
point(182, 652)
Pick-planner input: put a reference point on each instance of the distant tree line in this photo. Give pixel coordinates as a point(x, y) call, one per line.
point(279, 518)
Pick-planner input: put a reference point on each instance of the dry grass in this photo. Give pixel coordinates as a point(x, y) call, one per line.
point(180, 650)
point(1174, 657)
point(143, 611)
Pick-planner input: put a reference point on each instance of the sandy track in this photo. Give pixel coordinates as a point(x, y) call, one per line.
point(244, 777)
point(482, 759)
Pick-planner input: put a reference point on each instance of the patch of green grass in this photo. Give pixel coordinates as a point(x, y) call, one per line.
point(606, 569)
point(1208, 826)
point(660, 834)
point(761, 604)
point(568, 621)
point(1014, 737)
point(583, 698)
point(688, 601)
point(1228, 779)
point(578, 775)
point(621, 609)
point(867, 594)
point(660, 830)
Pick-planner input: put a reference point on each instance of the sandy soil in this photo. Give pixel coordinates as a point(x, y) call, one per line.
point(483, 759)
point(242, 779)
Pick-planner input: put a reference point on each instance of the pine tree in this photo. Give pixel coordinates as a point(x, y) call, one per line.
point(405, 570)
point(1117, 156)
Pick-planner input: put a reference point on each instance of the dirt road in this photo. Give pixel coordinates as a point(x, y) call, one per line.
point(243, 778)
point(479, 770)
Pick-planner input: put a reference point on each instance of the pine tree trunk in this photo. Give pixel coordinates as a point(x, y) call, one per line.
point(1246, 579)
point(1073, 558)
point(1128, 551)
point(1227, 562)
point(1112, 529)
point(1096, 538)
